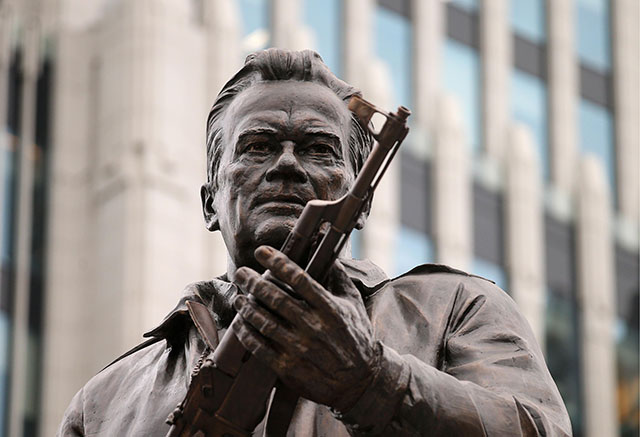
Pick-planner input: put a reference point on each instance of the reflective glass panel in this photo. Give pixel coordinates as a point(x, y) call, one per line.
point(412, 249)
point(393, 46)
point(469, 5)
point(593, 33)
point(323, 17)
point(254, 18)
point(528, 19)
point(628, 363)
point(529, 106)
point(489, 270)
point(461, 80)
point(596, 137)
point(562, 342)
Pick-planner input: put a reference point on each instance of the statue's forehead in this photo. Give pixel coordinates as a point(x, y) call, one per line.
point(305, 104)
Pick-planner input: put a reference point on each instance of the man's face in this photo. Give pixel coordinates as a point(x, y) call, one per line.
point(284, 143)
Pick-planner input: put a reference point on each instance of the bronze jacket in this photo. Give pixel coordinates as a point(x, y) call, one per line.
point(459, 360)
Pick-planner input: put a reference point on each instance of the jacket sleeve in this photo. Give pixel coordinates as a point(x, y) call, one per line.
point(73, 421)
point(491, 379)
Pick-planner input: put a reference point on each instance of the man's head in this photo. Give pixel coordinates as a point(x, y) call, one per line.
point(278, 135)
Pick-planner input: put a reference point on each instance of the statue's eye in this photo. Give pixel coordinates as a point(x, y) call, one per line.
point(260, 147)
point(319, 149)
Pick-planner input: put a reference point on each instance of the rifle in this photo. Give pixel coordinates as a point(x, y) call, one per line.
point(230, 388)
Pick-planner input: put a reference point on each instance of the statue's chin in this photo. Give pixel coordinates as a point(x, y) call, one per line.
point(274, 232)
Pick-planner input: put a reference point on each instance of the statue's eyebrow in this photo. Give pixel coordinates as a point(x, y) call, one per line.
point(319, 132)
point(257, 131)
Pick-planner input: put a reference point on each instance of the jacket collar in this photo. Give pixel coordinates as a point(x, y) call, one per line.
point(218, 293)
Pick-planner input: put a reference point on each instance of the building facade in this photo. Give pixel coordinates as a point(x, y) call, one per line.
point(522, 166)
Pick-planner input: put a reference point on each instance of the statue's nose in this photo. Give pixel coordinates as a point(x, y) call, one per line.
point(287, 165)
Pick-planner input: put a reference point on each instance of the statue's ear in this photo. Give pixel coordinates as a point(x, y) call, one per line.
point(364, 215)
point(210, 215)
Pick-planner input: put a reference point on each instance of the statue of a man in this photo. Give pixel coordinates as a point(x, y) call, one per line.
point(433, 352)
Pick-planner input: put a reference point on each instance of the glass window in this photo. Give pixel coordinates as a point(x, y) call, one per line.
point(596, 136)
point(628, 361)
point(528, 19)
point(393, 45)
point(461, 80)
point(412, 249)
point(529, 106)
point(469, 5)
point(592, 26)
point(323, 17)
point(563, 354)
point(254, 16)
point(490, 270)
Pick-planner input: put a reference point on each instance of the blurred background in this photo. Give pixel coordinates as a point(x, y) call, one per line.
point(521, 166)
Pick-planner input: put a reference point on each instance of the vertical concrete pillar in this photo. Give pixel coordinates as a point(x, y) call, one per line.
point(452, 201)
point(496, 48)
point(68, 324)
point(22, 236)
point(382, 226)
point(596, 299)
point(287, 26)
point(525, 228)
point(224, 58)
point(626, 71)
point(358, 37)
point(563, 93)
point(428, 29)
point(148, 166)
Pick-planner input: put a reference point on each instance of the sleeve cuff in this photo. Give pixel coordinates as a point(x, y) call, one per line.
point(379, 402)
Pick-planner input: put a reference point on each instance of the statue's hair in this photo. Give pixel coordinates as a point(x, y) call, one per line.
point(274, 65)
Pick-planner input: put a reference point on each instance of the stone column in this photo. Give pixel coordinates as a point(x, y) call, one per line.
point(287, 26)
point(626, 71)
point(524, 219)
point(596, 290)
point(358, 37)
point(382, 226)
point(22, 236)
point(428, 29)
point(495, 45)
point(68, 322)
point(224, 59)
point(452, 184)
point(563, 93)
point(148, 166)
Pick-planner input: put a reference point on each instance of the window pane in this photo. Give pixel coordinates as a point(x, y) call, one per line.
point(323, 17)
point(528, 19)
point(489, 270)
point(593, 33)
point(596, 137)
point(529, 106)
point(393, 45)
point(563, 354)
point(469, 5)
point(461, 76)
point(254, 16)
point(628, 360)
point(412, 249)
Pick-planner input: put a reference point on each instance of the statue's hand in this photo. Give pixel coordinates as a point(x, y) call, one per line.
point(322, 345)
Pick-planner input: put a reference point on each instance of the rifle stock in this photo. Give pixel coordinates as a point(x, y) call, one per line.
point(230, 388)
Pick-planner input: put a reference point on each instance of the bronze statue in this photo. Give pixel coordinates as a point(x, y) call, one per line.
point(433, 352)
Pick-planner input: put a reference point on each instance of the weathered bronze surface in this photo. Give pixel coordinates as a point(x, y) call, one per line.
point(433, 352)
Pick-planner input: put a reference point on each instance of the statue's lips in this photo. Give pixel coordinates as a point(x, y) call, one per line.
point(284, 204)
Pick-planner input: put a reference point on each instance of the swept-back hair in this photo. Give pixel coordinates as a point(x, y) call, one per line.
point(273, 65)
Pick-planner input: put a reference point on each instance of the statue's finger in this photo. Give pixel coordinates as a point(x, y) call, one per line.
point(291, 274)
point(271, 296)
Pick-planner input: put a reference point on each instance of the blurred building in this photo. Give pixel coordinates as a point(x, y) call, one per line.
point(522, 166)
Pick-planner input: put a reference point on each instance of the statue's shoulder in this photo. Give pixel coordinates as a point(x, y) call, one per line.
point(427, 282)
